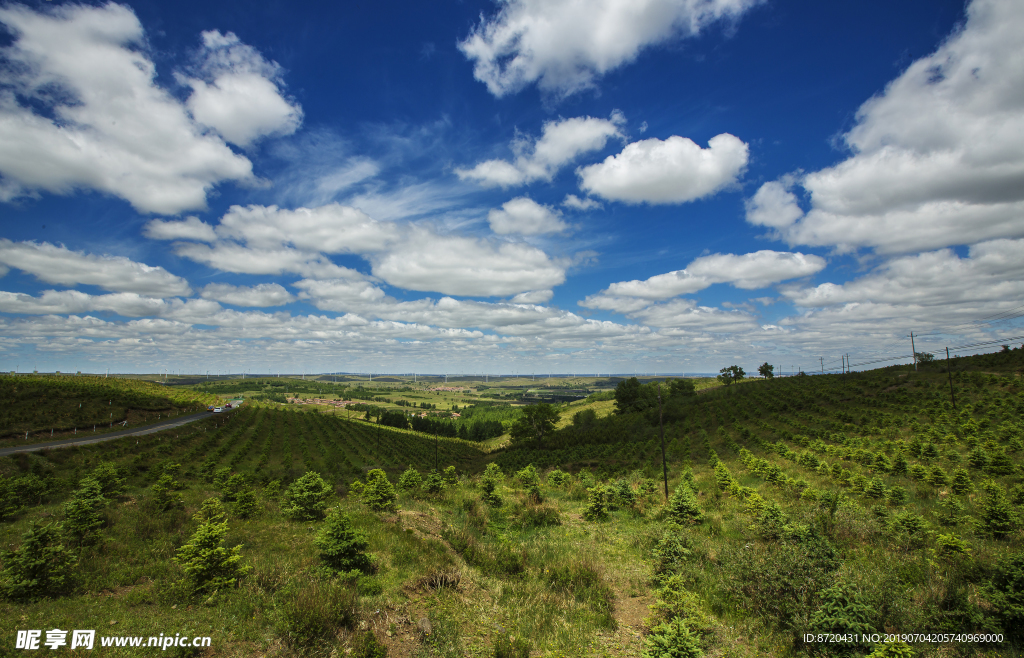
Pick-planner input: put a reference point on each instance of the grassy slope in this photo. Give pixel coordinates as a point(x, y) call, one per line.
point(738, 574)
point(41, 404)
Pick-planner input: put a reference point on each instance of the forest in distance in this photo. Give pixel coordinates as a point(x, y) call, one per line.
point(874, 513)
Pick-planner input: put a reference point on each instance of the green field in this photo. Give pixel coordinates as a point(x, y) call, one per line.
point(846, 505)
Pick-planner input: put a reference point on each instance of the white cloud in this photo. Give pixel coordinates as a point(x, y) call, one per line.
point(533, 297)
point(233, 257)
point(563, 45)
point(190, 228)
point(560, 143)
point(59, 265)
point(576, 203)
point(113, 129)
point(241, 95)
point(455, 265)
point(748, 271)
point(333, 228)
point(938, 157)
point(524, 216)
point(992, 272)
point(262, 294)
point(672, 171)
point(686, 314)
point(127, 304)
point(774, 205)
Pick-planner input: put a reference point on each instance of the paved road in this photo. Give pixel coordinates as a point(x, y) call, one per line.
point(138, 431)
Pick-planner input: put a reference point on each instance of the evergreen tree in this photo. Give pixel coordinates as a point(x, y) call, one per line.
point(672, 639)
point(307, 498)
point(82, 519)
point(378, 494)
point(342, 548)
point(683, 507)
point(597, 504)
point(843, 611)
point(410, 479)
point(996, 512)
point(208, 565)
point(40, 567)
point(962, 482)
point(164, 497)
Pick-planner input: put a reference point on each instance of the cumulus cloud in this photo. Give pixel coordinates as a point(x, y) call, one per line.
point(332, 228)
point(238, 92)
point(675, 170)
point(93, 116)
point(262, 294)
point(524, 216)
point(748, 271)
point(533, 297)
point(455, 265)
point(190, 228)
point(687, 314)
point(938, 156)
point(59, 265)
point(576, 203)
point(126, 304)
point(560, 142)
point(271, 240)
point(564, 45)
point(993, 271)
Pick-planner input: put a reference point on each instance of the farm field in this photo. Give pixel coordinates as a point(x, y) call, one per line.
point(807, 507)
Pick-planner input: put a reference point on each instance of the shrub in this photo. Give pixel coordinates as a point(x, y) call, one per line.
point(451, 477)
point(10, 501)
point(623, 494)
point(233, 486)
point(937, 477)
point(210, 511)
point(672, 639)
point(671, 552)
point(433, 484)
point(342, 548)
point(996, 512)
point(40, 567)
point(682, 505)
point(378, 493)
point(247, 504)
point(908, 527)
point(82, 519)
point(951, 511)
point(164, 497)
point(527, 476)
point(896, 495)
point(962, 482)
point(539, 516)
point(307, 498)
point(111, 479)
point(272, 490)
point(843, 611)
point(875, 488)
point(951, 545)
point(208, 565)
point(1006, 594)
point(558, 478)
point(410, 479)
point(597, 504)
point(489, 482)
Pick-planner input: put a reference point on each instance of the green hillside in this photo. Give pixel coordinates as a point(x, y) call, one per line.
point(809, 516)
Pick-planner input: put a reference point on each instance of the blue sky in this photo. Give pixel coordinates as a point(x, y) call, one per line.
point(527, 185)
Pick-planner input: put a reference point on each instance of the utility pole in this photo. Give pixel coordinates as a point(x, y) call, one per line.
point(913, 349)
point(821, 359)
point(949, 371)
point(664, 460)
